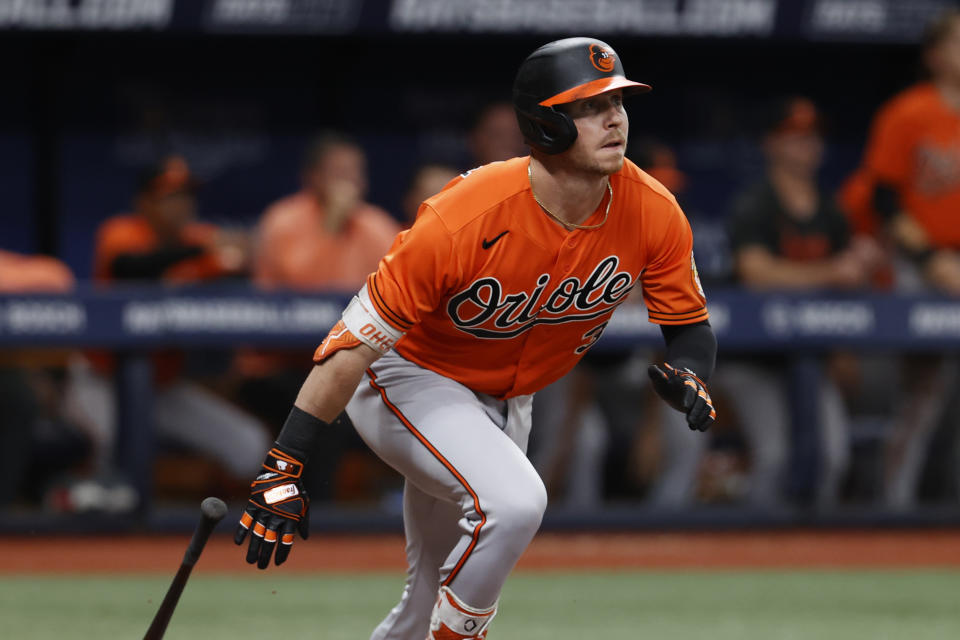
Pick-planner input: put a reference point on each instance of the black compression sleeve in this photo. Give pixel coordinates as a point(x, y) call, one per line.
point(151, 265)
point(691, 346)
point(299, 433)
point(886, 200)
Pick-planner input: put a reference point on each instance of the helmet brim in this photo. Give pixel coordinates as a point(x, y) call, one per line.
point(595, 87)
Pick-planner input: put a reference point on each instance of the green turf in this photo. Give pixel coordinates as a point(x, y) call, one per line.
point(767, 605)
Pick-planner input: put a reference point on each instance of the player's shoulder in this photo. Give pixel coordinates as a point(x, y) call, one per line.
point(917, 101)
point(288, 212)
point(637, 184)
point(479, 191)
point(123, 225)
point(372, 214)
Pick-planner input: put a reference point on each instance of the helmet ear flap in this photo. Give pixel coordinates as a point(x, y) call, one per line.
point(544, 128)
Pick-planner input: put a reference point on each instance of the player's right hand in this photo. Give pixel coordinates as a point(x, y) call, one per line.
point(277, 508)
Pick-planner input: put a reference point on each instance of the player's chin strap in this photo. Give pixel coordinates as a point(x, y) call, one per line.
point(452, 619)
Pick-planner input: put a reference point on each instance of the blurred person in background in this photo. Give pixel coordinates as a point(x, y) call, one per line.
point(428, 180)
point(38, 439)
point(324, 237)
point(495, 135)
point(163, 242)
point(907, 192)
point(787, 235)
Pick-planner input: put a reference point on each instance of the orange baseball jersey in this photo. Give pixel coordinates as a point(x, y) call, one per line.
point(487, 290)
point(33, 274)
point(133, 234)
point(296, 251)
point(915, 147)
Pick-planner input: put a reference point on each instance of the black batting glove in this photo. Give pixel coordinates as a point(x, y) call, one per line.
point(685, 392)
point(278, 507)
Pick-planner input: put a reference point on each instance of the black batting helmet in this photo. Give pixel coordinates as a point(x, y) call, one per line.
point(559, 72)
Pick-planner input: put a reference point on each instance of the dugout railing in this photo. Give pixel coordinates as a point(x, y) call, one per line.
point(133, 321)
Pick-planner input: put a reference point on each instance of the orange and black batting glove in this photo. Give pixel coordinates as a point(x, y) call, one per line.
point(685, 392)
point(277, 508)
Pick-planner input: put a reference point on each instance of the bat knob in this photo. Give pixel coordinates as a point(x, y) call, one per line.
point(213, 509)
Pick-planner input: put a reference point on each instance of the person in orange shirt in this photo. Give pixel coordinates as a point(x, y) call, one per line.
point(163, 242)
point(507, 277)
point(22, 402)
point(325, 236)
point(908, 192)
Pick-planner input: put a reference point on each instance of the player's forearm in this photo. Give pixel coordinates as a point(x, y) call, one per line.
point(151, 265)
point(691, 346)
point(330, 385)
point(779, 273)
point(909, 236)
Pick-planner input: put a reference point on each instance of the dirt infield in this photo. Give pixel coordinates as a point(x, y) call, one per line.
point(843, 549)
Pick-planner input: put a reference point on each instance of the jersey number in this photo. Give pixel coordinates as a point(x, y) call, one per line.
point(591, 337)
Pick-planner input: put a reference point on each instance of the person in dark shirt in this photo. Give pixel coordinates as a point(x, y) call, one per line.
point(787, 234)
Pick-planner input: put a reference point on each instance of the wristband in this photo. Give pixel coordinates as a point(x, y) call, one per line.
point(299, 433)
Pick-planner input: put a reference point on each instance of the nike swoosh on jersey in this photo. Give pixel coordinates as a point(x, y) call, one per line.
point(489, 243)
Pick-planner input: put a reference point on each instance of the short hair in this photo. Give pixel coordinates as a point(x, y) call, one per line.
point(322, 144)
point(938, 29)
point(170, 174)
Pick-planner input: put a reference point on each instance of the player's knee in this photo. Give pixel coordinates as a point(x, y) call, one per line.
point(519, 512)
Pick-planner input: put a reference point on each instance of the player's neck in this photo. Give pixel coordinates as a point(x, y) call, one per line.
point(569, 194)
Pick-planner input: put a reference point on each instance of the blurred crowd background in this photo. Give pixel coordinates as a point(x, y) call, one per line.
point(814, 146)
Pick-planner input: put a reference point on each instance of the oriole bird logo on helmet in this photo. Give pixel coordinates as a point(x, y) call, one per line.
point(602, 59)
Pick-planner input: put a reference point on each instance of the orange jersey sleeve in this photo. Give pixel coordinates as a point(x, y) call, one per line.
point(419, 271)
point(671, 285)
point(116, 236)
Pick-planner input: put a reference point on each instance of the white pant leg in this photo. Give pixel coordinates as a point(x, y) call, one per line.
point(91, 401)
point(208, 424)
point(760, 402)
point(584, 485)
point(834, 444)
point(432, 531)
point(578, 434)
point(913, 428)
point(682, 450)
point(463, 449)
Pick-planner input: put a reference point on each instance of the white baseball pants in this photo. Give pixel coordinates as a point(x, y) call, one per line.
point(472, 500)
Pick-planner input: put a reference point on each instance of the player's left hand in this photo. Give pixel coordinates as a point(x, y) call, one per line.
point(278, 507)
point(685, 392)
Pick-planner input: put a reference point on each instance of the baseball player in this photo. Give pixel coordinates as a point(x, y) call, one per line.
point(504, 281)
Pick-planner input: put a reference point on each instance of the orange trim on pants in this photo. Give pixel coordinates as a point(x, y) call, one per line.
point(446, 463)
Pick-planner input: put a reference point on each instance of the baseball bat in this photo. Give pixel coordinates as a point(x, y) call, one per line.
point(212, 511)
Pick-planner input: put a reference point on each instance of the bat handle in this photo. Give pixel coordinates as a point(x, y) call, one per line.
point(199, 540)
point(159, 625)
